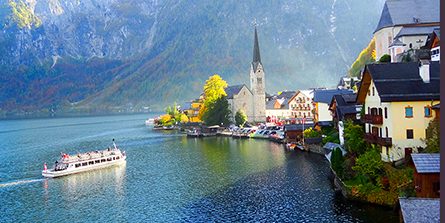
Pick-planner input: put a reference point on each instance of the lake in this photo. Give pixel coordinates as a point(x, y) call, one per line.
point(167, 178)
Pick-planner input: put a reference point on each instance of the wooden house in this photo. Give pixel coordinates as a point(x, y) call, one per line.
point(426, 174)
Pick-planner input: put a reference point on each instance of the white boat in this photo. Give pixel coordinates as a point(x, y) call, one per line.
point(82, 162)
point(150, 121)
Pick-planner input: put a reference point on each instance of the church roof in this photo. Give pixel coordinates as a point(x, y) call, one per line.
point(256, 52)
point(403, 12)
point(233, 90)
point(416, 31)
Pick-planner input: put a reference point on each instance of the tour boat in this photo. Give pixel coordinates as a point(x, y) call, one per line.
point(82, 162)
point(150, 121)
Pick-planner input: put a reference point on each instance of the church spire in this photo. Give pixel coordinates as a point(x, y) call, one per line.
point(256, 49)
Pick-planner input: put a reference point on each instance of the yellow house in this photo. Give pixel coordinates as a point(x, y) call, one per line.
point(398, 100)
point(191, 109)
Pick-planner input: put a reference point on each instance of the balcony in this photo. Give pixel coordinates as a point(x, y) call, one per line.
point(374, 139)
point(301, 109)
point(373, 119)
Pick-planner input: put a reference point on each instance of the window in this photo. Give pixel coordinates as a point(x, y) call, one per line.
point(386, 130)
point(380, 132)
point(77, 165)
point(427, 110)
point(409, 133)
point(408, 112)
point(102, 160)
point(386, 112)
point(373, 91)
point(96, 161)
point(84, 164)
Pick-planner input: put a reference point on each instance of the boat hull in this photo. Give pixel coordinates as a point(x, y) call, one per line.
point(54, 174)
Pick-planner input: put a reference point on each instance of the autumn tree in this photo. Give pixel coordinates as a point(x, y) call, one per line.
point(213, 90)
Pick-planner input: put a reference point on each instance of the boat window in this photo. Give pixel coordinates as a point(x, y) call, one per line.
point(109, 159)
point(84, 164)
point(91, 162)
point(77, 165)
point(117, 157)
point(96, 161)
point(114, 158)
point(102, 160)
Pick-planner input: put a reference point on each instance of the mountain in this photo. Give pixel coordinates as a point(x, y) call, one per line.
point(90, 55)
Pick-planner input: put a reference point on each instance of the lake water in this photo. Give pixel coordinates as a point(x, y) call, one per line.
point(167, 178)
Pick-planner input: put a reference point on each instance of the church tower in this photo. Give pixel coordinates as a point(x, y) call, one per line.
point(257, 84)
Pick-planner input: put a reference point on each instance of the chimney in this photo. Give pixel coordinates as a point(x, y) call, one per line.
point(424, 70)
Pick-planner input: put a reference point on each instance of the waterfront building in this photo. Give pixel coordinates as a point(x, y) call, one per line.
point(278, 107)
point(344, 107)
point(398, 100)
point(321, 101)
point(253, 100)
point(426, 174)
point(301, 106)
point(191, 109)
point(348, 82)
point(404, 25)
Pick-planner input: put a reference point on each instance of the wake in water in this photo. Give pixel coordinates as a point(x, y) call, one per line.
point(19, 182)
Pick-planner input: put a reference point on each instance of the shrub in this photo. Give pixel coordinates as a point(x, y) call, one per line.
point(369, 165)
point(337, 161)
point(385, 58)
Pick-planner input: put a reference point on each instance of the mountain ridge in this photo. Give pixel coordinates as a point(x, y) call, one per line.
point(163, 52)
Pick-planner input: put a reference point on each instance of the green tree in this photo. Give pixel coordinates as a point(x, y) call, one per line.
point(354, 138)
point(369, 165)
point(240, 118)
point(337, 161)
point(433, 137)
point(386, 58)
point(217, 112)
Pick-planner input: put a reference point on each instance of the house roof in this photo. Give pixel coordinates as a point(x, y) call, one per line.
point(345, 104)
point(307, 93)
point(282, 98)
point(234, 89)
point(325, 96)
point(436, 106)
point(397, 42)
point(401, 82)
point(404, 12)
point(420, 210)
point(416, 31)
point(186, 105)
point(297, 127)
point(426, 162)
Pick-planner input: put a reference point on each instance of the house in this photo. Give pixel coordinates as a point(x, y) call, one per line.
point(277, 106)
point(191, 109)
point(347, 82)
point(321, 101)
point(407, 14)
point(398, 100)
point(419, 210)
point(433, 44)
point(426, 174)
point(252, 100)
point(436, 109)
point(409, 41)
point(294, 132)
point(343, 107)
point(301, 106)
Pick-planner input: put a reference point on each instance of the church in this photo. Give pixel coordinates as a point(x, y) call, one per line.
point(251, 100)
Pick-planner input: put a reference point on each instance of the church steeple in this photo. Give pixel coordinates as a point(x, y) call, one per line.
point(256, 52)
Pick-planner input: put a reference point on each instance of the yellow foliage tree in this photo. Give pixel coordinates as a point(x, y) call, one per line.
point(184, 118)
point(165, 118)
point(365, 57)
point(213, 90)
